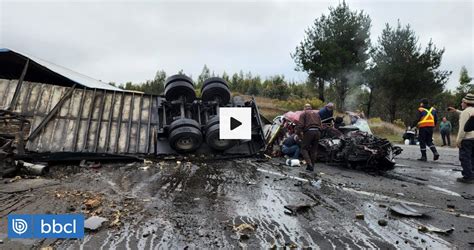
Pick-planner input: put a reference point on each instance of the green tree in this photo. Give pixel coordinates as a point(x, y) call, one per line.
point(276, 87)
point(205, 74)
point(404, 73)
point(335, 50)
point(465, 85)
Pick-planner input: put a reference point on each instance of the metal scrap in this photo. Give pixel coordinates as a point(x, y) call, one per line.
point(94, 222)
point(406, 210)
point(424, 229)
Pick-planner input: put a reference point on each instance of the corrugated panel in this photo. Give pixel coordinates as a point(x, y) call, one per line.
point(91, 120)
point(72, 75)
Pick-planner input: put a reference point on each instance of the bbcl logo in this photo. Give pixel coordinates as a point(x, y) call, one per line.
point(46, 226)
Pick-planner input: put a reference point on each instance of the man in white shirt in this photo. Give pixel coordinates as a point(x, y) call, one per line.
point(465, 140)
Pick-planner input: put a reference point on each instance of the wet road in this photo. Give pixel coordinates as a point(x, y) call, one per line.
point(240, 203)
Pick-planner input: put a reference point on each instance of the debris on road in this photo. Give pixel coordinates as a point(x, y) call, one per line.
point(296, 209)
point(360, 216)
point(244, 227)
point(92, 203)
point(22, 185)
point(424, 229)
point(405, 209)
point(382, 223)
point(94, 222)
point(34, 169)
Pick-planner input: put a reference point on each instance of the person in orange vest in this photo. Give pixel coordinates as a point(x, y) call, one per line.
point(427, 121)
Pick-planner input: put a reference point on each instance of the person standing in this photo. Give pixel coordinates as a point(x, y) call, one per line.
point(326, 113)
point(445, 130)
point(310, 126)
point(427, 119)
point(465, 140)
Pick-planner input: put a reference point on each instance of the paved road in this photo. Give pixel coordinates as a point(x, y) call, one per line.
point(240, 203)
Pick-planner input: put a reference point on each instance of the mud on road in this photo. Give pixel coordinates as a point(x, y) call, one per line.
point(241, 203)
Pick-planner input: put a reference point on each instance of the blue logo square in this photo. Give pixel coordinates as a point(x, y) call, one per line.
point(20, 226)
point(46, 226)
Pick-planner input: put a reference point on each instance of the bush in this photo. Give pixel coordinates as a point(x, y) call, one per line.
point(375, 120)
point(399, 123)
point(298, 103)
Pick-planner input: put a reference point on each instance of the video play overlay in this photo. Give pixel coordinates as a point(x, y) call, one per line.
point(235, 123)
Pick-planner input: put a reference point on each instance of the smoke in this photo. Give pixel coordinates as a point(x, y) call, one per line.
point(354, 92)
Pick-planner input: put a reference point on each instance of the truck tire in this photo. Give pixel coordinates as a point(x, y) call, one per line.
point(214, 79)
point(184, 122)
point(216, 90)
point(185, 139)
point(212, 139)
point(176, 89)
point(179, 77)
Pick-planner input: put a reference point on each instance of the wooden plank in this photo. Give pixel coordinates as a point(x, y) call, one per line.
point(119, 123)
point(26, 100)
point(18, 86)
point(78, 120)
point(109, 124)
point(101, 112)
point(52, 113)
point(137, 144)
point(129, 129)
point(150, 105)
point(91, 112)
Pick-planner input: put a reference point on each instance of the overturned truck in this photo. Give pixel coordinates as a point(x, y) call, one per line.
point(69, 116)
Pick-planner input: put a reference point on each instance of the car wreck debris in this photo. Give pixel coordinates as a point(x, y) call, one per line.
point(354, 146)
point(405, 209)
point(94, 222)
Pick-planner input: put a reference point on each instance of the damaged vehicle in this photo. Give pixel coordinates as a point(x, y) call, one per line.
point(353, 145)
point(74, 117)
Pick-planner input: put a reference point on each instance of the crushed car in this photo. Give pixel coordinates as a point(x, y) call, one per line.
point(353, 145)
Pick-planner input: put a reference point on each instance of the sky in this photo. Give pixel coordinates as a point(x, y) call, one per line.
point(121, 41)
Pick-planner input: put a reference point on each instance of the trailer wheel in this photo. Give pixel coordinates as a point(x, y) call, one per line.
point(212, 139)
point(215, 87)
point(214, 120)
point(212, 80)
point(184, 122)
point(176, 89)
point(216, 90)
point(185, 139)
point(179, 77)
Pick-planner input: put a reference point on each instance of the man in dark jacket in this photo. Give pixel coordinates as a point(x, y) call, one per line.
point(326, 113)
point(309, 125)
point(291, 147)
point(427, 120)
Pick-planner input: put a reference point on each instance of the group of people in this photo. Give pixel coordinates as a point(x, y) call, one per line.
point(427, 121)
point(305, 139)
point(308, 132)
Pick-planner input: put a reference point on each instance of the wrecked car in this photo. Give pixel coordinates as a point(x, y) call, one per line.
point(353, 145)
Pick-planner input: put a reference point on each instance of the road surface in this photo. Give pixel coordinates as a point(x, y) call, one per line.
point(241, 203)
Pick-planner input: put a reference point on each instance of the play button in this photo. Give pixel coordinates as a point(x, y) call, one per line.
point(234, 123)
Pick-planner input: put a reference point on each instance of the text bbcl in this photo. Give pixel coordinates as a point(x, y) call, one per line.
point(46, 226)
